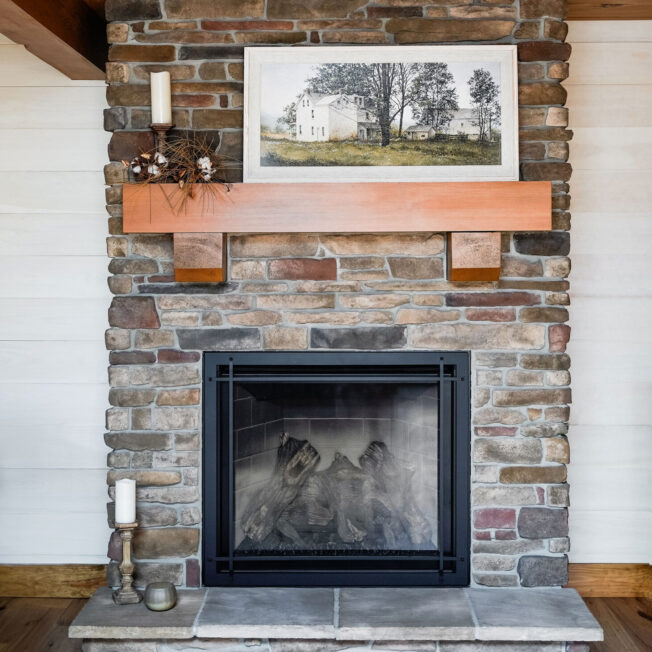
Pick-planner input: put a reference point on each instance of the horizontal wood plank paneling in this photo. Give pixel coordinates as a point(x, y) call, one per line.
point(614, 63)
point(53, 362)
point(609, 95)
point(600, 31)
point(38, 234)
point(620, 536)
point(66, 107)
point(55, 192)
point(609, 105)
point(53, 581)
point(76, 276)
point(53, 313)
point(69, 320)
point(611, 580)
point(38, 149)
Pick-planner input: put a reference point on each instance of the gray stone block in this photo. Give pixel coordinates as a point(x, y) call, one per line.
point(268, 613)
point(365, 337)
point(532, 615)
point(102, 618)
point(216, 339)
point(404, 614)
point(543, 571)
point(542, 523)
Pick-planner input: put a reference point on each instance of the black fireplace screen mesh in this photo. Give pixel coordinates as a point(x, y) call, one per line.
point(336, 468)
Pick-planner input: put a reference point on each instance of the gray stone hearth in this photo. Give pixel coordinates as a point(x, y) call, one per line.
point(351, 619)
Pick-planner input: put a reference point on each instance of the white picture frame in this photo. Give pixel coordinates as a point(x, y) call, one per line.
point(274, 75)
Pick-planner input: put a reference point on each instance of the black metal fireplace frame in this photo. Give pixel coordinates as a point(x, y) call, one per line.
point(448, 566)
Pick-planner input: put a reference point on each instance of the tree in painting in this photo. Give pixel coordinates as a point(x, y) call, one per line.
point(434, 96)
point(484, 94)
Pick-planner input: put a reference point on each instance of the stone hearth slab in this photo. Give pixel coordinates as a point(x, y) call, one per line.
point(533, 615)
point(350, 614)
point(102, 618)
point(405, 614)
point(268, 613)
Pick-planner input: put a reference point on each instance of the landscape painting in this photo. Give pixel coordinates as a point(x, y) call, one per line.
point(380, 113)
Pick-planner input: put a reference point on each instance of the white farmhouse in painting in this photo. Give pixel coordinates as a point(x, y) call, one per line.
point(462, 122)
point(334, 117)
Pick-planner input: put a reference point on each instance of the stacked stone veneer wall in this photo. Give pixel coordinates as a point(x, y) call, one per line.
point(339, 291)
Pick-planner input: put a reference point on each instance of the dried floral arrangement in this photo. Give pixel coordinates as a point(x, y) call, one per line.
point(185, 161)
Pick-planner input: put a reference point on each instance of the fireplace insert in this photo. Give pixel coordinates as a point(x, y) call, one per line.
point(336, 469)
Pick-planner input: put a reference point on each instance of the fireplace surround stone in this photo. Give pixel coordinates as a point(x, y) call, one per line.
point(383, 292)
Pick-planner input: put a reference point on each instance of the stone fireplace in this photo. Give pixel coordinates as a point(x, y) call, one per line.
point(337, 293)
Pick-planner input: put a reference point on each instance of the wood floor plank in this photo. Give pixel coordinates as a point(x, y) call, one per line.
point(627, 624)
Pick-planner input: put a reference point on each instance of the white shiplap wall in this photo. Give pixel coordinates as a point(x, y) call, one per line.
point(53, 307)
point(610, 103)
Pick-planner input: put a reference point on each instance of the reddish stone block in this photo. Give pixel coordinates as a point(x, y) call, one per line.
point(193, 574)
point(491, 299)
point(546, 171)
point(172, 356)
point(494, 517)
point(482, 535)
point(142, 53)
point(498, 314)
point(495, 431)
point(543, 51)
point(541, 93)
point(505, 535)
point(124, 145)
point(193, 100)
point(558, 336)
point(324, 269)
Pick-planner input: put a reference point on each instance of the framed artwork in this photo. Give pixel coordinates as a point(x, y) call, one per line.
point(381, 113)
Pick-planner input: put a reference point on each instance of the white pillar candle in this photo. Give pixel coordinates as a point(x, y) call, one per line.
point(125, 501)
point(161, 98)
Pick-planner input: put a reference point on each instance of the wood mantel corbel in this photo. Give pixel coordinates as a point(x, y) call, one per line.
point(472, 213)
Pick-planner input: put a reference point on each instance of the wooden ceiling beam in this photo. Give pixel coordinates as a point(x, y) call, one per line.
point(607, 10)
point(66, 34)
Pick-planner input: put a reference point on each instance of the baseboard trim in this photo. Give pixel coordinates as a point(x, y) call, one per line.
point(611, 580)
point(51, 581)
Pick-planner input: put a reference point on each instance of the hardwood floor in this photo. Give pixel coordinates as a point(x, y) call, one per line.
point(627, 624)
point(38, 624)
point(41, 624)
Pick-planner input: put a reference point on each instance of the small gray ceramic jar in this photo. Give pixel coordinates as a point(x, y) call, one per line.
point(160, 596)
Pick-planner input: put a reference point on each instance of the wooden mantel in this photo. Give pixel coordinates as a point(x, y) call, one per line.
point(452, 207)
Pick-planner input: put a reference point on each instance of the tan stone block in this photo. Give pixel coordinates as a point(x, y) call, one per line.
point(175, 418)
point(519, 266)
point(165, 542)
point(117, 339)
point(558, 414)
point(413, 268)
point(286, 37)
point(517, 496)
point(560, 378)
point(531, 117)
point(428, 300)
point(558, 151)
point(117, 73)
point(479, 11)
point(117, 32)
point(296, 301)
point(557, 450)
point(247, 269)
point(478, 336)
point(519, 378)
point(557, 299)
point(281, 337)
point(534, 413)
point(273, 245)
point(377, 317)
point(529, 30)
point(415, 244)
point(258, 288)
point(558, 70)
point(489, 415)
point(180, 318)
point(254, 318)
point(481, 396)
point(361, 301)
point(425, 316)
point(212, 9)
point(120, 284)
point(350, 36)
point(153, 339)
point(329, 317)
point(516, 397)
point(211, 319)
point(489, 377)
point(236, 70)
point(507, 450)
point(328, 286)
point(361, 262)
point(557, 117)
point(212, 302)
point(493, 563)
point(300, 9)
point(558, 267)
point(146, 478)
point(178, 397)
point(532, 474)
point(420, 30)
point(558, 496)
point(541, 93)
point(364, 275)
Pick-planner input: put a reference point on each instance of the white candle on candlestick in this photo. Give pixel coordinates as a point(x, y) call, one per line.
point(125, 501)
point(161, 98)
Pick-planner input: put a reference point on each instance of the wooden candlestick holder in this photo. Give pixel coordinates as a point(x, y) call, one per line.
point(161, 135)
point(126, 594)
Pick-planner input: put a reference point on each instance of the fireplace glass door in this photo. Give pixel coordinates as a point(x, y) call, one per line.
point(335, 468)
